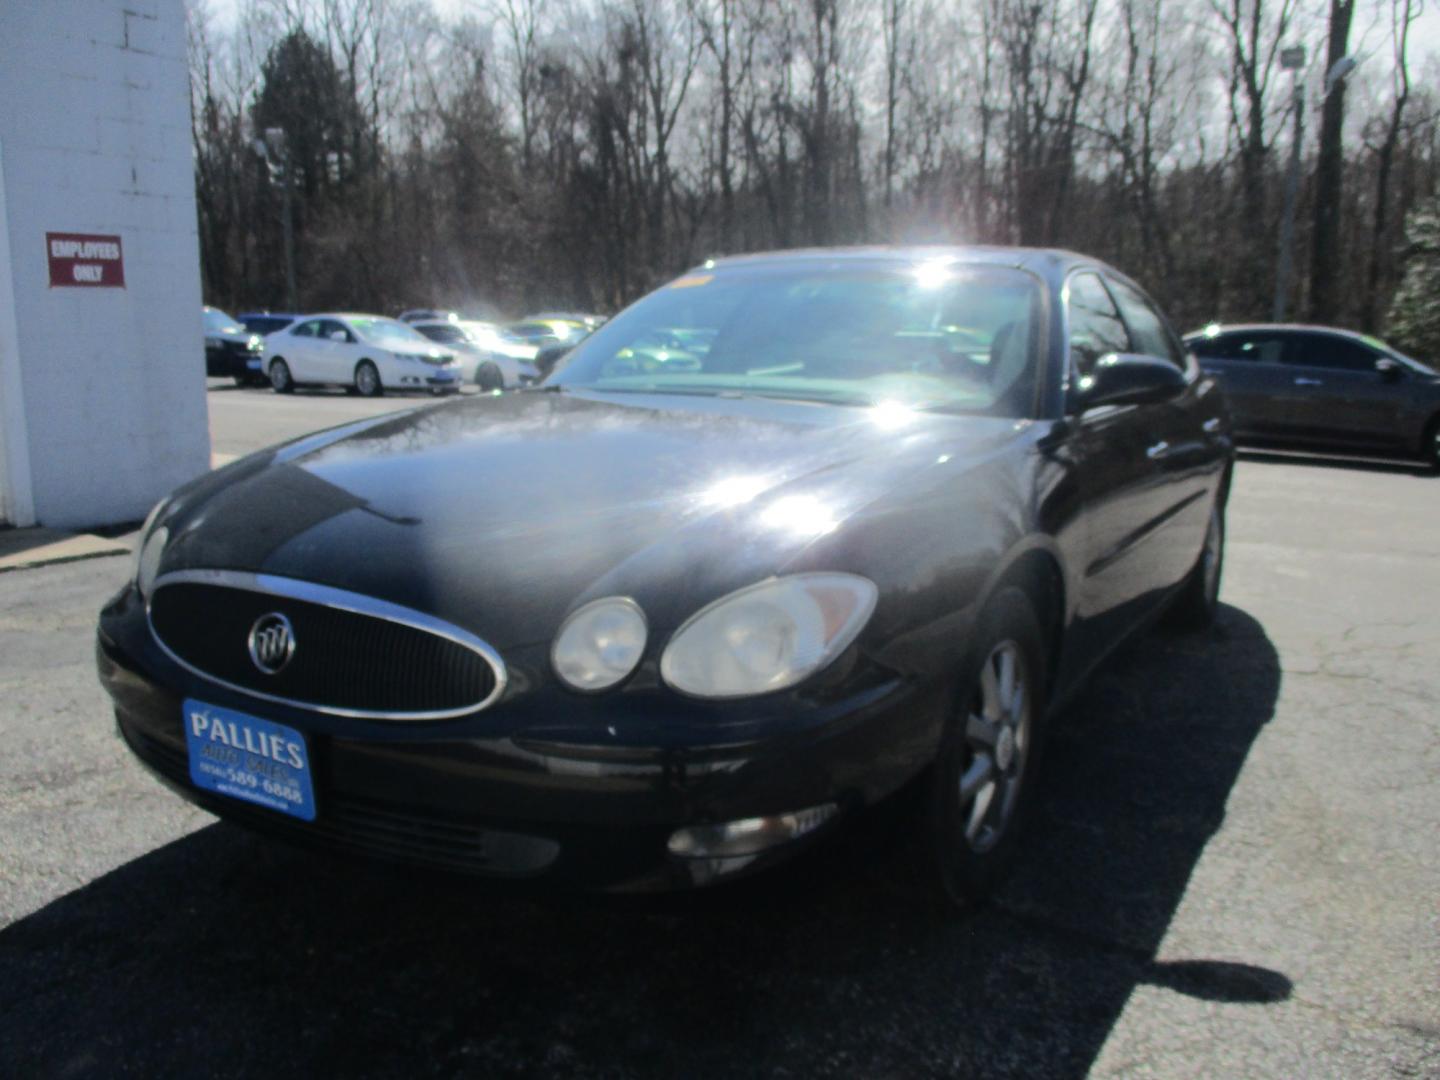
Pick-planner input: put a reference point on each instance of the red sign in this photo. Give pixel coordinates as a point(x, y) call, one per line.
point(85, 260)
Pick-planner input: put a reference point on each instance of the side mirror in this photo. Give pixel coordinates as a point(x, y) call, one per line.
point(1129, 379)
point(1388, 369)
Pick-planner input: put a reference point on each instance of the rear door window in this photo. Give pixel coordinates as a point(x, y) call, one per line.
point(1330, 352)
point(330, 326)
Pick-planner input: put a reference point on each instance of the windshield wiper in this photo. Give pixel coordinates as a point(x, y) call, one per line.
point(686, 391)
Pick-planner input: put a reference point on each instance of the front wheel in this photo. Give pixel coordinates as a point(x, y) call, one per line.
point(982, 783)
point(488, 377)
point(280, 376)
point(367, 380)
point(1430, 448)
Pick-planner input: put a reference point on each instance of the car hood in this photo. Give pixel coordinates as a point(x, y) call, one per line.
point(503, 513)
point(418, 352)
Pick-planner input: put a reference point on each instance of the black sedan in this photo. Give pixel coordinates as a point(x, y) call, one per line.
point(653, 628)
point(231, 351)
point(1316, 386)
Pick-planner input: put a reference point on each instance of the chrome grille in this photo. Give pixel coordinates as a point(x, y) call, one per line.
point(352, 655)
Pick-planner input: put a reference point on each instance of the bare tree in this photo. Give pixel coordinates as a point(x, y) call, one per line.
point(1329, 169)
point(1253, 36)
point(1403, 15)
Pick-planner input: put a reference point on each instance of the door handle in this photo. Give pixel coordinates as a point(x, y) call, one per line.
point(1159, 450)
point(1301, 380)
point(1211, 426)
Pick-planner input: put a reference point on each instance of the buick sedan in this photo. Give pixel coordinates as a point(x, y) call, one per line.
point(651, 626)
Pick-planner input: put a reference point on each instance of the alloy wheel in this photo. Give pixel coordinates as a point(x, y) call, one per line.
point(997, 740)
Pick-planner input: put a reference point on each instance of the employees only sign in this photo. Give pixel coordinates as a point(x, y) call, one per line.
point(85, 260)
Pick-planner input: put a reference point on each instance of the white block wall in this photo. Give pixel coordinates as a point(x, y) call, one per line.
point(102, 391)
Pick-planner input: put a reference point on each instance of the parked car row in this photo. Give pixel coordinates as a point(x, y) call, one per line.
point(424, 349)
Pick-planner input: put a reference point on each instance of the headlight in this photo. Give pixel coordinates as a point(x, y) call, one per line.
point(769, 636)
point(152, 546)
point(600, 644)
point(256, 343)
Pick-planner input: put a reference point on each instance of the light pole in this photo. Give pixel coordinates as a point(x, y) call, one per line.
point(274, 145)
point(1292, 60)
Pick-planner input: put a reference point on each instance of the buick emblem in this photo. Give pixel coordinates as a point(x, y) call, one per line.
point(272, 642)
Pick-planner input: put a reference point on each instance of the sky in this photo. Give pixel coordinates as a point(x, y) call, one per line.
point(1370, 41)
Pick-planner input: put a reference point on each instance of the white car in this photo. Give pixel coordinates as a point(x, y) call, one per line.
point(490, 359)
point(369, 353)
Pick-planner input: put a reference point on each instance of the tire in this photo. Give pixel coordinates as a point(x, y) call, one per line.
point(981, 786)
point(280, 380)
point(1430, 447)
point(488, 377)
point(1195, 606)
point(367, 380)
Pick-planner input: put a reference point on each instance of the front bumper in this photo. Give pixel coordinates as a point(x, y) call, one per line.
point(231, 360)
point(544, 784)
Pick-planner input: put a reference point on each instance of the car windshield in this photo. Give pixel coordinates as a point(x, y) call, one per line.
point(937, 335)
point(388, 332)
point(531, 332)
point(447, 333)
point(482, 332)
point(217, 322)
point(266, 324)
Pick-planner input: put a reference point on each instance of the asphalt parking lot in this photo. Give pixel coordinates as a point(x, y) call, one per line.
point(1234, 870)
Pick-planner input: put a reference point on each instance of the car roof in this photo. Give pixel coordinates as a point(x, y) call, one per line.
point(269, 315)
point(1212, 329)
point(1043, 261)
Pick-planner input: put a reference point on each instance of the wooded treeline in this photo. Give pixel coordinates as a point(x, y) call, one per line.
point(544, 153)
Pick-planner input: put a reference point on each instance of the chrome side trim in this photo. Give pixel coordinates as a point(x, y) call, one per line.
point(340, 599)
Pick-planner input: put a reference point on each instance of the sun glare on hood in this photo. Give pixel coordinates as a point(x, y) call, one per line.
point(800, 515)
point(733, 491)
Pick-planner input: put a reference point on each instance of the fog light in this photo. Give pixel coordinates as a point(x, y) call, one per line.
point(748, 836)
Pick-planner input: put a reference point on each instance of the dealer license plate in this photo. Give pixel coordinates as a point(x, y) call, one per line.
point(247, 758)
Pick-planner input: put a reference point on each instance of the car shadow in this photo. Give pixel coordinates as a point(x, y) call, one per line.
point(227, 953)
point(1276, 456)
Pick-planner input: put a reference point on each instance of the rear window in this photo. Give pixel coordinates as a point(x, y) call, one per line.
point(1331, 352)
